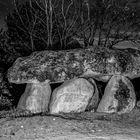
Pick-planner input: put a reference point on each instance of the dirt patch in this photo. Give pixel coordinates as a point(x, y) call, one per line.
point(82, 126)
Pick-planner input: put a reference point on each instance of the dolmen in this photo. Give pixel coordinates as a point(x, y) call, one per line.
point(78, 70)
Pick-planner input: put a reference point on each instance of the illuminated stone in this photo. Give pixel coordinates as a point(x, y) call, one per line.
point(73, 96)
point(35, 98)
point(119, 96)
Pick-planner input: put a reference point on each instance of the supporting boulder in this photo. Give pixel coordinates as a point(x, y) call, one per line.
point(119, 96)
point(93, 101)
point(36, 97)
point(72, 96)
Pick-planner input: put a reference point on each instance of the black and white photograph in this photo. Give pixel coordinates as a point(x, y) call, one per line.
point(69, 69)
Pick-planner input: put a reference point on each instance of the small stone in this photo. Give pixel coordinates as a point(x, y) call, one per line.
point(72, 96)
point(21, 126)
point(138, 104)
point(93, 131)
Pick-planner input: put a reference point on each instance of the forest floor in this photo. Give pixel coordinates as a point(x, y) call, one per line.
point(83, 126)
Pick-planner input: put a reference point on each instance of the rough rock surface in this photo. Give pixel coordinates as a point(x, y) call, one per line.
point(73, 96)
point(119, 96)
point(138, 104)
point(35, 98)
point(94, 100)
point(58, 66)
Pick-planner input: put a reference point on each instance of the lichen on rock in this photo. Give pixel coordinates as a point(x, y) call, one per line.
point(119, 96)
point(58, 66)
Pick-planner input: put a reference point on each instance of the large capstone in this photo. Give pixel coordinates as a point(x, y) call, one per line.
point(119, 96)
point(59, 66)
point(74, 96)
point(36, 97)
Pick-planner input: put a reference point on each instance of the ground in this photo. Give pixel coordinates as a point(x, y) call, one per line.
point(84, 126)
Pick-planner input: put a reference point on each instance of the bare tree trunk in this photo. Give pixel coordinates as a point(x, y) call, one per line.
point(84, 22)
point(92, 34)
point(31, 35)
point(107, 36)
point(63, 39)
point(48, 9)
point(32, 42)
point(100, 32)
point(50, 21)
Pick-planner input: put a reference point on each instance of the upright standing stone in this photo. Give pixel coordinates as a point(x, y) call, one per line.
point(72, 96)
point(36, 97)
point(94, 100)
point(119, 96)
